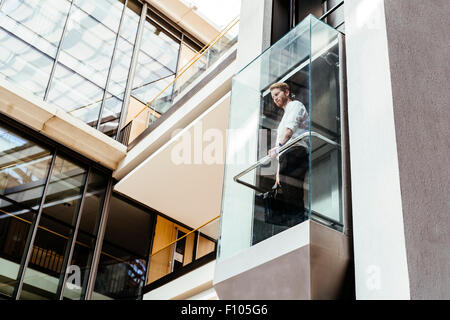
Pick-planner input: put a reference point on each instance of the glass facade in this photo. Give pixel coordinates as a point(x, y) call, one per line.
point(307, 59)
point(54, 209)
point(50, 208)
point(122, 270)
point(78, 55)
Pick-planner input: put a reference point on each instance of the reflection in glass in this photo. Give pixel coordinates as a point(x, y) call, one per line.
point(151, 90)
point(22, 64)
point(325, 174)
point(55, 227)
point(156, 65)
point(30, 32)
point(76, 95)
point(124, 51)
point(86, 238)
point(106, 11)
point(24, 171)
point(15, 223)
point(37, 22)
point(24, 167)
point(87, 47)
point(110, 116)
point(120, 67)
point(123, 263)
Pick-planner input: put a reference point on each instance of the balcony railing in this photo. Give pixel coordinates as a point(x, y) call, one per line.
point(182, 255)
point(197, 66)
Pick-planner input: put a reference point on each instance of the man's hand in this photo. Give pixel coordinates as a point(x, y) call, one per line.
point(273, 152)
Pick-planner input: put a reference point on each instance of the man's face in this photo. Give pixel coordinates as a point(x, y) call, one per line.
point(280, 97)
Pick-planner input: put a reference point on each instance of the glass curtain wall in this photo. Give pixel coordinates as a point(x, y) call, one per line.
point(50, 206)
point(81, 35)
point(122, 269)
point(30, 33)
point(77, 54)
point(24, 167)
point(155, 70)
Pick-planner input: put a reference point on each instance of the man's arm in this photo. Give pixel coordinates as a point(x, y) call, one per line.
point(287, 134)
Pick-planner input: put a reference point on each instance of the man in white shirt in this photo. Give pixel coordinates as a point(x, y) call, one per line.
point(293, 163)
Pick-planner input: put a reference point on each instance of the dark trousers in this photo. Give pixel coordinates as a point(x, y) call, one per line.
point(294, 164)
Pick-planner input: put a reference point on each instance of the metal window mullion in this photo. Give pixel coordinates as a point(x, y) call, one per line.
point(176, 67)
point(345, 152)
point(150, 249)
point(72, 240)
point(195, 249)
point(58, 50)
point(330, 11)
point(99, 241)
point(30, 241)
point(108, 77)
point(292, 15)
point(132, 70)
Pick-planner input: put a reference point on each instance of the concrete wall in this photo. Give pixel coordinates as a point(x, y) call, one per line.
point(307, 261)
point(398, 103)
point(381, 270)
point(254, 31)
point(418, 34)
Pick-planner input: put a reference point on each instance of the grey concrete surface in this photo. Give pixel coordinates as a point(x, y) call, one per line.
point(418, 34)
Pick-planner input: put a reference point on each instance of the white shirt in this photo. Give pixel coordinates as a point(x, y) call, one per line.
point(295, 118)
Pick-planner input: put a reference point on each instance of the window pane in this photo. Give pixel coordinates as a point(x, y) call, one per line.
point(156, 65)
point(123, 262)
point(23, 169)
point(121, 67)
point(76, 95)
point(158, 46)
point(124, 51)
point(55, 227)
point(15, 225)
point(107, 12)
point(110, 116)
point(37, 22)
point(22, 64)
point(93, 203)
point(87, 47)
point(78, 276)
point(85, 242)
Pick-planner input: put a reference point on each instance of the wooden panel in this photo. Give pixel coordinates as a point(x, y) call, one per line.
point(159, 263)
point(205, 246)
point(165, 233)
point(189, 249)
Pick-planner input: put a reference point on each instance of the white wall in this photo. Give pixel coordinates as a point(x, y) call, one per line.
point(381, 270)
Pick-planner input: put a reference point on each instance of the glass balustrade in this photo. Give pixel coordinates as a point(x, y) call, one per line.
point(254, 206)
